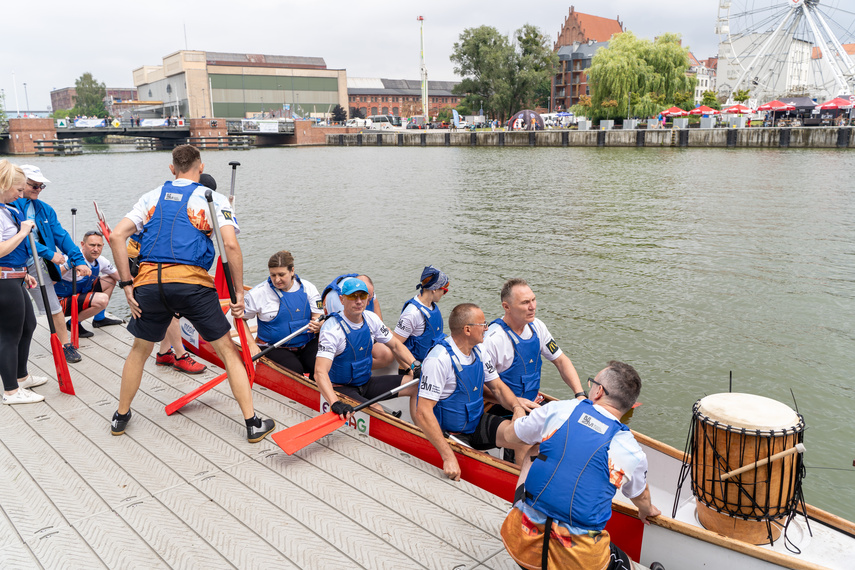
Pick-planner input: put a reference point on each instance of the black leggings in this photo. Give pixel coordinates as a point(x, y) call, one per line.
point(16, 331)
point(299, 361)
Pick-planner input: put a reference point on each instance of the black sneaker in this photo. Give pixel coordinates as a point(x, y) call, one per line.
point(81, 332)
point(256, 434)
point(71, 354)
point(106, 322)
point(117, 426)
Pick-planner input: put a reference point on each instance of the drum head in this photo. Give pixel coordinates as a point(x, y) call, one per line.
point(748, 411)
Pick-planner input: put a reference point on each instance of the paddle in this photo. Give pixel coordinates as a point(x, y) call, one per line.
point(102, 222)
point(240, 326)
point(75, 321)
point(62, 373)
point(299, 436)
point(219, 277)
point(190, 396)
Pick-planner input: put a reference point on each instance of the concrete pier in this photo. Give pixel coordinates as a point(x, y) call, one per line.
point(188, 491)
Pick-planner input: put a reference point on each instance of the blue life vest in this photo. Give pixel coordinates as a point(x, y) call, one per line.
point(462, 410)
point(294, 313)
point(569, 480)
point(18, 256)
point(353, 366)
point(335, 285)
point(523, 375)
point(420, 345)
point(170, 237)
point(84, 284)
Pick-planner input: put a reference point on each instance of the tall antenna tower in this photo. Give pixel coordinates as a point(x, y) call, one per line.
point(424, 71)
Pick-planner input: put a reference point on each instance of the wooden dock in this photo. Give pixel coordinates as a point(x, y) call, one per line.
point(188, 491)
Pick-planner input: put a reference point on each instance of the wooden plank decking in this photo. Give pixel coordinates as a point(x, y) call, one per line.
point(188, 491)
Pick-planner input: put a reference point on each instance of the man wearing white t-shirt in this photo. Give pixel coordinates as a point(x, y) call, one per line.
point(451, 391)
point(517, 341)
point(343, 362)
point(583, 455)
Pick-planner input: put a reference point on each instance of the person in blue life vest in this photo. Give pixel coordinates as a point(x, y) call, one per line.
point(420, 324)
point(582, 454)
point(282, 305)
point(330, 297)
point(55, 247)
point(343, 362)
point(517, 341)
point(93, 290)
point(451, 392)
point(176, 253)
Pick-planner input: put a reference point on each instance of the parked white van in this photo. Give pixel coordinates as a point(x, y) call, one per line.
point(380, 122)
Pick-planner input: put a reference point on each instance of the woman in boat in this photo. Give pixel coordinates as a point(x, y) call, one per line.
point(420, 325)
point(283, 305)
point(19, 320)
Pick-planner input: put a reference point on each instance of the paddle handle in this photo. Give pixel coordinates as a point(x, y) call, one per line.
point(234, 164)
point(385, 395)
point(41, 279)
point(215, 222)
point(799, 448)
point(282, 341)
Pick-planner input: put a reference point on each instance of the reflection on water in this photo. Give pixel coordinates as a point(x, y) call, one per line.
point(689, 264)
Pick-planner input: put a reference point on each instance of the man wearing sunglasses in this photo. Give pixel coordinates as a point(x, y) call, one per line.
point(583, 454)
point(95, 289)
point(343, 363)
point(55, 247)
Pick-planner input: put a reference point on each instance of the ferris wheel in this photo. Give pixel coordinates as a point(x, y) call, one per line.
point(780, 48)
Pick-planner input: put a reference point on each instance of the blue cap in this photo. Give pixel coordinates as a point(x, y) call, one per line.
point(352, 285)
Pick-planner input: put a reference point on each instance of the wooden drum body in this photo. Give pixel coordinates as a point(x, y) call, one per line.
point(730, 431)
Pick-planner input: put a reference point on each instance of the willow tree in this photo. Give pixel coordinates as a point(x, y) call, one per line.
point(643, 76)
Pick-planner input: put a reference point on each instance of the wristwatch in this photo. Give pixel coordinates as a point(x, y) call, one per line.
point(124, 284)
point(577, 394)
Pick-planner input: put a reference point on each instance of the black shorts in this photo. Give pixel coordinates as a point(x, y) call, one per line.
point(84, 300)
point(484, 436)
point(198, 304)
point(371, 389)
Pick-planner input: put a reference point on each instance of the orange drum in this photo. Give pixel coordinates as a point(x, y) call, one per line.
point(730, 431)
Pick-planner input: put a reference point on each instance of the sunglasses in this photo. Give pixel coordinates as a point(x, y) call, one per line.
point(36, 186)
point(359, 295)
point(92, 233)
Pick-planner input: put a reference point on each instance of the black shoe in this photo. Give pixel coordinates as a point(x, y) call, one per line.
point(81, 332)
point(256, 434)
point(117, 427)
point(106, 322)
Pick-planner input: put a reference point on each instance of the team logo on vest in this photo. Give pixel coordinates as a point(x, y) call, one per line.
point(593, 423)
point(173, 196)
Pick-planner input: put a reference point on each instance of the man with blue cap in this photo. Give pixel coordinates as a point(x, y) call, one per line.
point(343, 363)
point(420, 325)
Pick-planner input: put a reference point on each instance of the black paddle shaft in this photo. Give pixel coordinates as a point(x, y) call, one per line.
point(234, 164)
point(70, 264)
point(41, 282)
point(209, 195)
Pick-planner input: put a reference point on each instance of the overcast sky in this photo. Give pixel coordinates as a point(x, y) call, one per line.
point(53, 42)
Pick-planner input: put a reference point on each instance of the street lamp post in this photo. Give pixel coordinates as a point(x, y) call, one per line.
point(628, 104)
point(26, 97)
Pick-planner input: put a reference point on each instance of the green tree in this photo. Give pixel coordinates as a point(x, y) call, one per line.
point(654, 72)
point(500, 74)
point(90, 97)
point(711, 100)
point(61, 114)
point(742, 95)
point(339, 114)
point(4, 122)
point(355, 113)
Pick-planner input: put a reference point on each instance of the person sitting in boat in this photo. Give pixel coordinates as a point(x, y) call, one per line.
point(516, 342)
point(283, 304)
point(451, 391)
point(331, 298)
point(420, 325)
point(583, 454)
point(343, 363)
point(93, 290)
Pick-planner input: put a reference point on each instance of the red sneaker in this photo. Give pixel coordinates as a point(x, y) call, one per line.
point(166, 359)
point(188, 365)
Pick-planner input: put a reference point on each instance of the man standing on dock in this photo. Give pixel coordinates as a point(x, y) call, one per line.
point(176, 253)
point(567, 484)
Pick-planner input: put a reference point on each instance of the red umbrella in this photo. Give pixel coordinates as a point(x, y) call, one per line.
point(674, 112)
point(738, 110)
point(836, 103)
point(776, 106)
point(704, 110)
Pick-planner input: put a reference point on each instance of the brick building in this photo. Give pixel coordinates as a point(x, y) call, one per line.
point(704, 71)
point(66, 97)
point(399, 97)
point(580, 37)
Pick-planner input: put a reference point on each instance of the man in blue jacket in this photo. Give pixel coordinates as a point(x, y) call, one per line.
point(55, 247)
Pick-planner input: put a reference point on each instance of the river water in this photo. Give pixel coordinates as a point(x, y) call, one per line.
point(689, 264)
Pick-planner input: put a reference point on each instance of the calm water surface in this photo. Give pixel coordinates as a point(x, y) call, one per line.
point(688, 264)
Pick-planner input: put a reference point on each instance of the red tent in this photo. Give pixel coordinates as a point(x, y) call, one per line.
point(674, 112)
point(836, 103)
point(704, 110)
point(776, 106)
point(738, 110)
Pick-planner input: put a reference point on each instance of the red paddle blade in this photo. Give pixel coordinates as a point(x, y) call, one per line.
point(102, 221)
point(75, 322)
point(220, 281)
point(62, 373)
point(245, 353)
point(299, 436)
point(190, 396)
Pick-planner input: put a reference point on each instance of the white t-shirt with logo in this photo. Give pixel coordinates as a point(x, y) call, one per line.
point(332, 340)
point(262, 301)
point(500, 347)
point(438, 380)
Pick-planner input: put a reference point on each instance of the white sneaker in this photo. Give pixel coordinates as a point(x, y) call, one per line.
point(22, 396)
point(32, 381)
